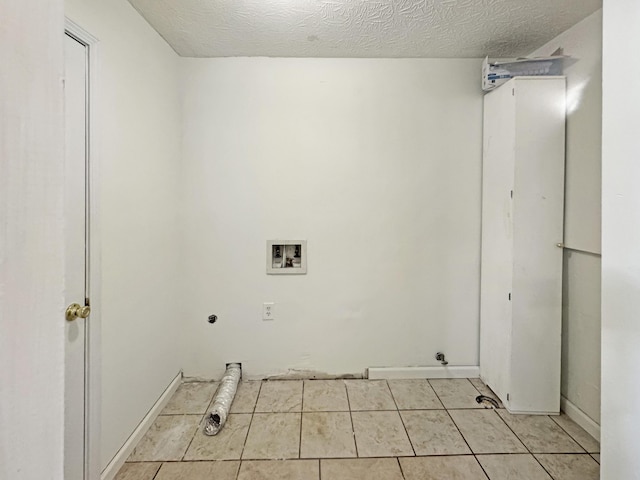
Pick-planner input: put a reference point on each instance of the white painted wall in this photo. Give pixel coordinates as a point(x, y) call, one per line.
point(620, 242)
point(31, 240)
point(377, 164)
point(139, 144)
point(583, 43)
point(581, 334)
point(581, 284)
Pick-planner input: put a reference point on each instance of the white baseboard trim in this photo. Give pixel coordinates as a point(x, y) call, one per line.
point(118, 460)
point(581, 418)
point(390, 373)
point(527, 412)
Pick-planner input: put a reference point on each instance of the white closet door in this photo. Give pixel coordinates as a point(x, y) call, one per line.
point(497, 239)
point(522, 225)
point(538, 228)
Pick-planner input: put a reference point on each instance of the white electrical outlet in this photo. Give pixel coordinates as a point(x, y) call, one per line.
point(268, 311)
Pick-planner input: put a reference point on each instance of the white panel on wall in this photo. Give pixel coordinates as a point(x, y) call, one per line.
point(620, 243)
point(139, 125)
point(31, 240)
point(377, 164)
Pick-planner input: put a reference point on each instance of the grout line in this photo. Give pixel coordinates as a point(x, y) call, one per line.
point(200, 460)
point(383, 410)
point(246, 437)
point(392, 396)
point(353, 430)
point(201, 415)
point(437, 397)
point(377, 457)
point(301, 410)
point(191, 441)
point(482, 467)
point(407, 433)
point(477, 389)
point(255, 405)
point(459, 431)
point(456, 425)
point(547, 453)
point(401, 419)
point(157, 471)
point(513, 431)
point(541, 465)
point(435, 391)
point(571, 436)
point(319, 470)
point(470, 409)
point(525, 446)
point(380, 410)
point(244, 445)
point(400, 466)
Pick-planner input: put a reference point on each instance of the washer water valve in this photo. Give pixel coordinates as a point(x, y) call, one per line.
point(441, 359)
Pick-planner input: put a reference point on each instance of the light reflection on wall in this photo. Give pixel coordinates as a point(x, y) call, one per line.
point(574, 95)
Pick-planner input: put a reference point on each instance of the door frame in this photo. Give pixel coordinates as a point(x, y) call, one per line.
point(92, 379)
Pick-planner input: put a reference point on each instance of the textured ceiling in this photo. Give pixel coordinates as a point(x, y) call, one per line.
point(361, 28)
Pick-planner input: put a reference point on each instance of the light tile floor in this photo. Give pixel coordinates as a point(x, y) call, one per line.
point(359, 429)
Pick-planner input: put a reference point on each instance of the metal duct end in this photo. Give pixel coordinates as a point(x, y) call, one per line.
point(212, 425)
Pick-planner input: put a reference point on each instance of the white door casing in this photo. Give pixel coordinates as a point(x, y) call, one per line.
point(76, 249)
point(81, 260)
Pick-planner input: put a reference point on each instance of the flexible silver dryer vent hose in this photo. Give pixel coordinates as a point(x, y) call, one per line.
point(226, 392)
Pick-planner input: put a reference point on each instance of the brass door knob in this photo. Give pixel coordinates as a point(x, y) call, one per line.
point(77, 311)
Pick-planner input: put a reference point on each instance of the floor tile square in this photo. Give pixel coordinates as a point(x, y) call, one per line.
point(198, 471)
point(325, 396)
point(581, 436)
point(280, 396)
point(485, 390)
point(279, 469)
point(414, 395)
point(432, 432)
point(369, 395)
point(540, 434)
point(273, 436)
point(226, 445)
point(380, 434)
point(167, 439)
point(138, 471)
point(191, 398)
point(438, 468)
point(361, 468)
point(512, 467)
point(570, 467)
point(327, 435)
point(485, 432)
point(246, 397)
point(456, 392)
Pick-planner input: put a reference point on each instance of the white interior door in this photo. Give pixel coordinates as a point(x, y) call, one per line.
point(77, 255)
